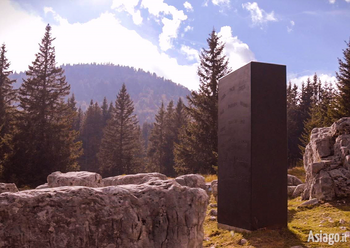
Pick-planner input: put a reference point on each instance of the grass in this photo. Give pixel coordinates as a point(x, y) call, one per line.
point(209, 178)
point(325, 217)
point(298, 171)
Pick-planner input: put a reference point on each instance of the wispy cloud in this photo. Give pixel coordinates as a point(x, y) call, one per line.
point(290, 27)
point(188, 7)
point(170, 29)
point(259, 16)
point(333, 1)
point(129, 7)
point(237, 51)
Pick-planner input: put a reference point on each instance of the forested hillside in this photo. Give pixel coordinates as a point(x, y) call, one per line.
point(96, 81)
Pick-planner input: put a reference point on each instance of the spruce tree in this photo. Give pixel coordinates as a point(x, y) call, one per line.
point(91, 135)
point(201, 131)
point(120, 147)
point(342, 107)
point(7, 108)
point(157, 143)
point(292, 125)
point(44, 141)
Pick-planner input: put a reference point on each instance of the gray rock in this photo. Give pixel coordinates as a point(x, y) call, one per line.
point(293, 180)
point(133, 179)
point(74, 178)
point(327, 162)
point(43, 186)
point(155, 214)
point(213, 212)
point(192, 181)
point(309, 203)
point(212, 218)
point(291, 190)
point(8, 187)
point(242, 242)
point(214, 187)
point(298, 190)
point(213, 205)
point(208, 189)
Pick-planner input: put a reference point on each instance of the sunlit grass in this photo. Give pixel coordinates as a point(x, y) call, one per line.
point(325, 217)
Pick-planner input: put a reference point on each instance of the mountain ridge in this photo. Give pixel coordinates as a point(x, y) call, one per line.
point(96, 81)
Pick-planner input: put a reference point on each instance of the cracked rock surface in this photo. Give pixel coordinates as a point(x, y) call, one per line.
point(158, 213)
point(327, 162)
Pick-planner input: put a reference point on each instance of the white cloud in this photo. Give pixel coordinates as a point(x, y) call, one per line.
point(191, 54)
point(188, 28)
point(259, 16)
point(97, 40)
point(221, 2)
point(333, 1)
point(129, 7)
point(170, 26)
point(14, 25)
point(237, 51)
point(298, 80)
point(290, 28)
point(188, 7)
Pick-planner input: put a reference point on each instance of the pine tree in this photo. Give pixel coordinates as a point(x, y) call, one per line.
point(322, 100)
point(156, 150)
point(7, 109)
point(292, 125)
point(120, 147)
point(170, 136)
point(201, 131)
point(44, 140)
point(105, 114)
point(342, 106)
point(72, 104)
point(91, 135)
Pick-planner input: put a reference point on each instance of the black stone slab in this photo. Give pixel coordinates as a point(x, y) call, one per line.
point(252, 187)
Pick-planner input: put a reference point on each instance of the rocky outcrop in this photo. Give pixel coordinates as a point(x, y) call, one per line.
point(133, 179)
point(74, 178)
point(214, 188)
point(159, 213)
point(192, 181)
point(8, 187)
point(293, 180)
point(298, 190)
point(327, 162)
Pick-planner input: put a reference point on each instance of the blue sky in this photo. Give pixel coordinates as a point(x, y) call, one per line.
point(165, 36)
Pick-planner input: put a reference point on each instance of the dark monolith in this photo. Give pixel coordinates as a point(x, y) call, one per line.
point(252, 190)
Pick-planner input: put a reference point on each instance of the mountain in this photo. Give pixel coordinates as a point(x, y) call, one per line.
point(95, 81)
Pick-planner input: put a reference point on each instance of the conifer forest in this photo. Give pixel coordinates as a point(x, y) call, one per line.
point(44, 129)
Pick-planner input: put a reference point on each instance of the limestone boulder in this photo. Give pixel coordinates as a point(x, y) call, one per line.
point(293, 180)
point(74, 178)
point(327, 162)
point(290, 190)
point(43, 186)
point(214, 188)
point(298, 190)
point(8, 187)
point(159, 213)
point(192, 181)
point(133, 179)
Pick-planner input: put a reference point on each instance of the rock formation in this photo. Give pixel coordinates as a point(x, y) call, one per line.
point(74, 178)
point(192, 181)
point(8, 187)
point(132, 179)
point(327, 162)
point(156, 213)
